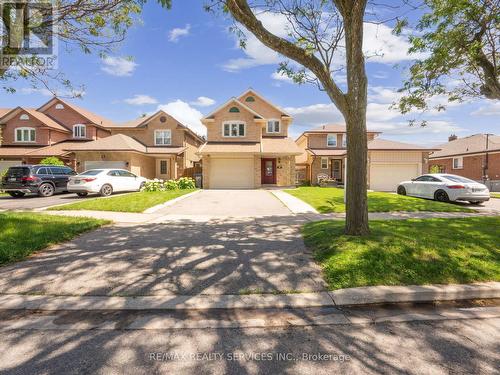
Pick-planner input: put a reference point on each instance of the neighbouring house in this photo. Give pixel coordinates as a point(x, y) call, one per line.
point(476, 157)
point(324, 156)
point(248, 145)
point(154, 146)
point(28, 135)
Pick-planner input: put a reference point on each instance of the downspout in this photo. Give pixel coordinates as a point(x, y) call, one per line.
point(486, 159)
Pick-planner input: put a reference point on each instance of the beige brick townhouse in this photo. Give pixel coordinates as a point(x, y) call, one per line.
point(247, 145)
point(154, 146)
point(324, 155)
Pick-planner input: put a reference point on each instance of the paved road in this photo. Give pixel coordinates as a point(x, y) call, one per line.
point(415, 346)
point(30, 202)
point(217, 257)
point(235, 203)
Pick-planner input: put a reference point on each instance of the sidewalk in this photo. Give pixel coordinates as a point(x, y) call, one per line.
point(341, 297)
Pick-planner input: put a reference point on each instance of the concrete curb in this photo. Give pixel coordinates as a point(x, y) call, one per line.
point(342, 297)
point(153, 209)
point(295, 205)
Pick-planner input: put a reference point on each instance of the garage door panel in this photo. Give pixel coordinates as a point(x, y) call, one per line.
point(6, 164)
point(386, 177)
point(101, 164)
point(231, 173)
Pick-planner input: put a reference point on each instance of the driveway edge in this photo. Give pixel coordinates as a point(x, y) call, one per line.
point(158, 207)
point(342, 297)
point(295, 205)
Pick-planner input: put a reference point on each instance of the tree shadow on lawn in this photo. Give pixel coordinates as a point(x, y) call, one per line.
point(407, 252)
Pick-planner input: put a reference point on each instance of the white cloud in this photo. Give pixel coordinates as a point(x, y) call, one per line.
point(399, 128)
point(140, 99)
point(175, 34)
point(33, 90)
point(118, 66)
point(185, 114)
point(281, 77)
point(315, 115)
point(491, 109)
point(203, 101)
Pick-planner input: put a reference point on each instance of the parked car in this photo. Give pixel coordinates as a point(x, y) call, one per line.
point(105, 182)
point(445, 188)
point(44, 180)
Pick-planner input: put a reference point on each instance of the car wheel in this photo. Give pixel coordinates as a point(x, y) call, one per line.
point(401, 190)
point(46, 190)
point(106, 190)
point(16, 194)
point(82, 194)
point(475, 202)
point(441, 196)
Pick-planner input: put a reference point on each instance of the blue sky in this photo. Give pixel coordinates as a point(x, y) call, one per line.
point(187, 62)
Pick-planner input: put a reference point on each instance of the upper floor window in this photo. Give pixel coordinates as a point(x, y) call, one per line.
point(79, 131)
point(234, 109)
point(331, 140)
point(163, 137)
point(273, 126)
point(233, 129)
point(250, 99)
point(59, 106)
point(458, 163)
point(344, 140)
point(25, 134)
point(24, 116)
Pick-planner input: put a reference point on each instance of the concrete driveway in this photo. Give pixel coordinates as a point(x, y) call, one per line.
point(228, 203)
point(216, 257)
point(34, 201)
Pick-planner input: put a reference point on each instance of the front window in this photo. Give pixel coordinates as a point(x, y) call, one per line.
point(324, 163)
point(163, 167)
point(234, 129)
point(331, 140)
point(344, 140)
point(273, 126)
point(163, 137)
point(79, 131)
point(25, 135)
point(458, 163)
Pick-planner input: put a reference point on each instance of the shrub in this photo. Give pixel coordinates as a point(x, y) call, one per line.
point(52, 160)
point(161, 185)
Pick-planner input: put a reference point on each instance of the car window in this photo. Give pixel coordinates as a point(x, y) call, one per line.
point(126, 173)
point(56, 170)
point(434, 179)
point(422, 178)
point(67, 170)
point(43, 170)
point(18, 171)
point(114, 173)
point(91, 172)
point(457, 178)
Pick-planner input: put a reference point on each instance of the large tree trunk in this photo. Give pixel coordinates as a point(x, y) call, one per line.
point(355, 116)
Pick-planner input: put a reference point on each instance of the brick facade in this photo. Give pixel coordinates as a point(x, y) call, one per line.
point(472, 166)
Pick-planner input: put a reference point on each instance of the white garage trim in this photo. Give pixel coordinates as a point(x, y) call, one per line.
point(231, 173)
point(100, 164)
point(386, 177)
point(5, 164)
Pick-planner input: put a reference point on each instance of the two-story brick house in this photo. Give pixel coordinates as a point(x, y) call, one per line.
point(248, 145)
point(324, 155)
point(154, 146)
point(28, 134)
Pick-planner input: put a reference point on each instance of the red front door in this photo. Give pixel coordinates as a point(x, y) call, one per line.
point(268, 171)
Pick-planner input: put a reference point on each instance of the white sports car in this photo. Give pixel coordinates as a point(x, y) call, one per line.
point(105, 182)
point(445, 188)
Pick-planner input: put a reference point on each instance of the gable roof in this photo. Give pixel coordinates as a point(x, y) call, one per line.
point(467, 145)
point(4, 111)
point(385, 144)
point(122, 142)
point(43, 118)
point(255, 93)
point(232, 100)
point(57, 149)
point(95, 119)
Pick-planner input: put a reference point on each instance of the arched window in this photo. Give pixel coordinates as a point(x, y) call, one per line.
point(24, 116)
point(234, 109)
point(25, 134)
point(79, 131)
point(59, 106)
point(250, 99)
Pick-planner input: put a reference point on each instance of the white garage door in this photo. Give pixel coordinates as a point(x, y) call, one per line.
point(386, 177)
point(5, 164)
point(104, 164)
point(231, 174)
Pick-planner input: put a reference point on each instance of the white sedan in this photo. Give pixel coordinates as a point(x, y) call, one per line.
point(445, 188)
point(104, 182)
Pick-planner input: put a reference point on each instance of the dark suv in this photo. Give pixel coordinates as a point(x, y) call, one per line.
point(44, 180)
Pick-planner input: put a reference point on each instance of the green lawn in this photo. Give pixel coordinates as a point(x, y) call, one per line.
point(135, 202)
point(405, 252)
point(24, 233)
point(326, 200)
point(495, 195)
